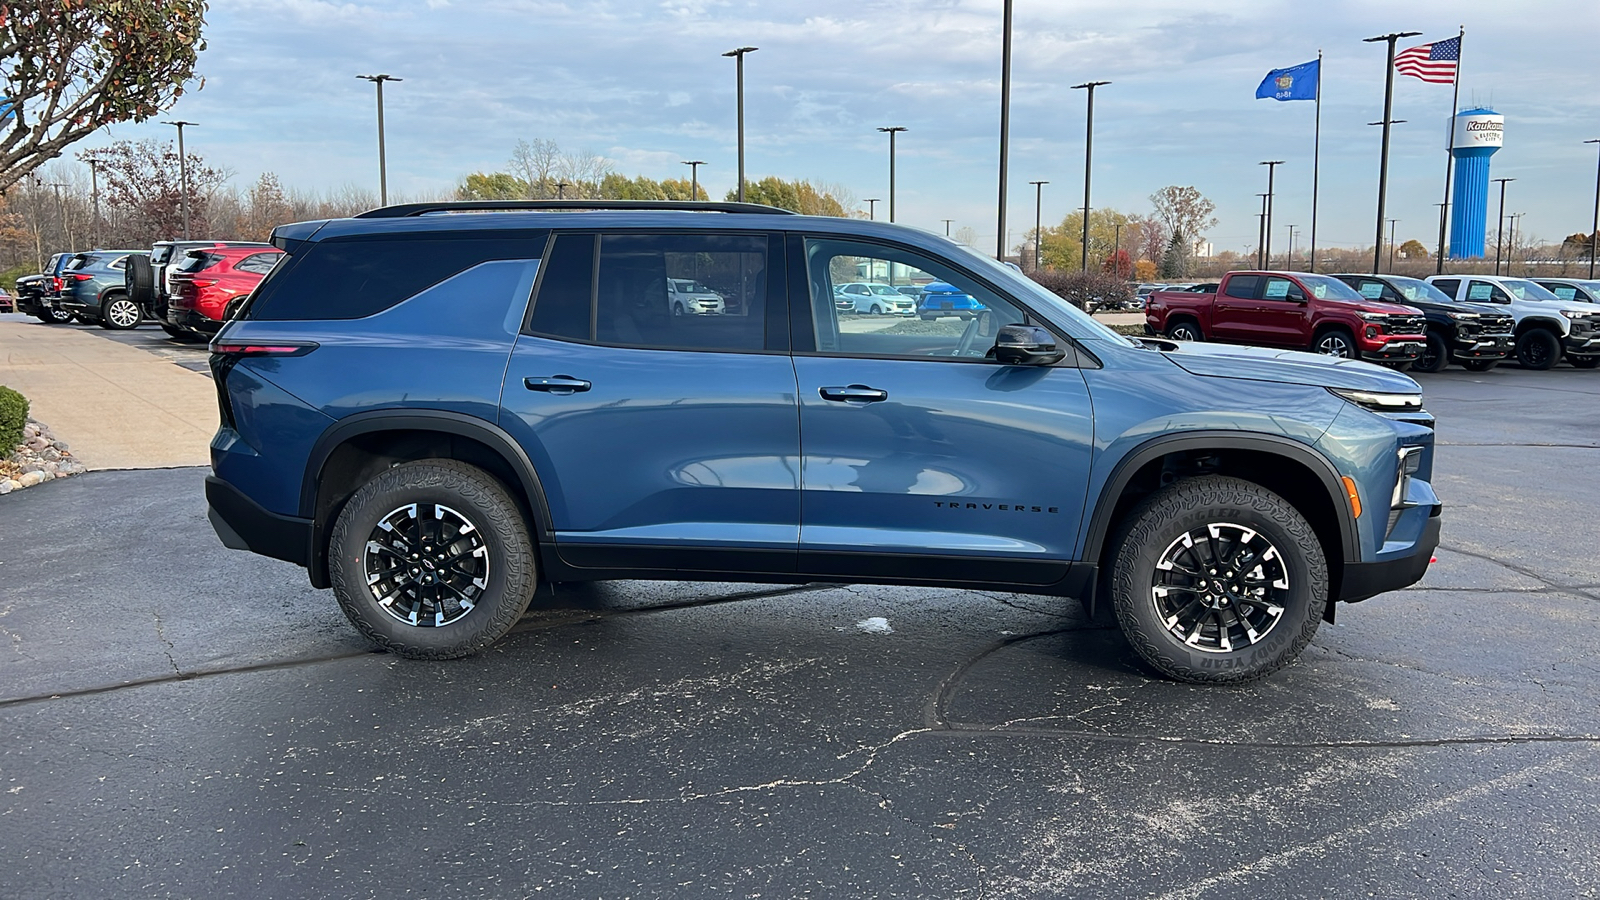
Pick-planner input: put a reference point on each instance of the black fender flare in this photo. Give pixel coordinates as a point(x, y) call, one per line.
point(1100, 522)
point(1542, 323)
point(443, 422)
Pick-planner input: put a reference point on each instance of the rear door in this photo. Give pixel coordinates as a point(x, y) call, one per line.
point(662, 441)
point(920, 456)
point(1233, 312)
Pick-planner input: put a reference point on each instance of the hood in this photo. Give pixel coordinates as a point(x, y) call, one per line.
point(1288, 367)
point(1388, 309)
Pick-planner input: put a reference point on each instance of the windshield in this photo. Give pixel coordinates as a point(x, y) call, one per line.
point(1036, 294)
point(160, 253)
point(1527, 290)
point(1324, 287)
point(1417, 289)
point(885, 289)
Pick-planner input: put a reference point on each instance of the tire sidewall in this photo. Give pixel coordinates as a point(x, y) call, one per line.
point(110, 322)
point(1552, 346)
point(1349, 343)
point(1435, 358)
point(1193, 504)
point(492, 512)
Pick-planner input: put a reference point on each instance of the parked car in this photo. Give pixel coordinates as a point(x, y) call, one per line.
point(1548, 328)
point(1291, 309)
point(944, 299)
point(150, 283)
point(1580, 289)
point(206, 281)
point(94, 288)
point(911, 290)
point(877, 299)
point(1475, 335)
point(7, 304)
point(39, 295)
point(685, 296)
point(434, 443)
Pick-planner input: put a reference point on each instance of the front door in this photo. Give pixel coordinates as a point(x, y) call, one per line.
point(664, 439)
point(920, 456)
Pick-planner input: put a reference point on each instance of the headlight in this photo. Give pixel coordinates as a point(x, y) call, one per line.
point(1381, 402)
point(1456, 315)
point(1374, 317)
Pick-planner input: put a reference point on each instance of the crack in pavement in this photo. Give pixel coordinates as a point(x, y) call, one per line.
point(1574, 590)
point(161, 634)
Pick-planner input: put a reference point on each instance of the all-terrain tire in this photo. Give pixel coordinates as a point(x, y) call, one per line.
point(1538, 349)
point(470, 493)
point(1195, 505)
point(1435, 357)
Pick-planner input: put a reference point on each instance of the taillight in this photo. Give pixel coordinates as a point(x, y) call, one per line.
point(198, 283)
point(55, 283)
point(277, 348)
point(81, 277)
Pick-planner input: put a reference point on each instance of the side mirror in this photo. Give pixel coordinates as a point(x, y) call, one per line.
point(1026, 345)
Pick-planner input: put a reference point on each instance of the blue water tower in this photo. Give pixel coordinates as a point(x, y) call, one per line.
point(1478, 134)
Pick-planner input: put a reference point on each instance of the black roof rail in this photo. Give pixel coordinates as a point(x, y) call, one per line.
point(405, 210)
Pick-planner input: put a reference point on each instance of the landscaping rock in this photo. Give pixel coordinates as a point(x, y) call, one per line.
point(39, 458)
point(29, 479)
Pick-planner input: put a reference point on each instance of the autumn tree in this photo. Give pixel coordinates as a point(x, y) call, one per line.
point(266, 208)
point(1183, 210)
point(797, 196)
point(143, 182)
point(1413, 249)
point(71, 67)
point(492, 186)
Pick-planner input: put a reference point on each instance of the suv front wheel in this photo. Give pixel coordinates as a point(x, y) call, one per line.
point(1218, 580)
point(432, 560)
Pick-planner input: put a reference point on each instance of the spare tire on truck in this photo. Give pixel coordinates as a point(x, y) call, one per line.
point(140, 279)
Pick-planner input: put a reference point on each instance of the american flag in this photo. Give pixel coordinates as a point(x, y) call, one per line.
point(1434, 62)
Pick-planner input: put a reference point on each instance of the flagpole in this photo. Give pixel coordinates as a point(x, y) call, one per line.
point(1316, 162)
point(1450, 156)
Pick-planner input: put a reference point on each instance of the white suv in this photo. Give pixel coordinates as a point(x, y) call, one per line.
point(1548, 327)
point(877, 299)
point(687, 297)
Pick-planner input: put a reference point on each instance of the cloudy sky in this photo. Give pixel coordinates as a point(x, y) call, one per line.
point(643, 83)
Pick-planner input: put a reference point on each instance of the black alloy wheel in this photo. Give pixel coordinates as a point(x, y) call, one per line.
point(1185, 331)
point(1337, 343)
point(1538, 349)
point(1435, 356)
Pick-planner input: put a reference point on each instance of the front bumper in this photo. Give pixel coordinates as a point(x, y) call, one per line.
point(1363, 580)
point(1484, 346)
point(1400, 350)
point(243, 524)
point(1586, 345)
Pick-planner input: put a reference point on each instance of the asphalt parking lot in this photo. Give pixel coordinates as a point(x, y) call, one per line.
point(180, 720)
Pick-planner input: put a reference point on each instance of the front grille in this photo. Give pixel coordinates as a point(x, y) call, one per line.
point(1406, 325)
point(1497, 324)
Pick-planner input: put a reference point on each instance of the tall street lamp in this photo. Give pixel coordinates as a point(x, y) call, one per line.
point(1511, 246)
point(947, 226)
point(738, 57)
point(1038, 233)
point(1288, 259)
point(1266, 250)
point(891, 131)
point(1500, 221)
point(1594, 226)
point(1005, 123)
point(183, 175)
point(1261, 232)
point(1116, 249)
point(561, 190)
point(94, 197)
point(872, 209)
point(383, 167)
point(1088, 157)
point(694, 177)
point(1388, 116)
point(1391, 245)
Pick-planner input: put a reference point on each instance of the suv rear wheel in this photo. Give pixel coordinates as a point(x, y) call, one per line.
point(1218, 580)
point(121, 313)
point(432, 560)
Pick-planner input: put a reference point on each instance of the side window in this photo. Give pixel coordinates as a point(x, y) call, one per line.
point(957, 316)
point(258, 263)
point(1243, 286)
point(1479, 290)
point(1279, 289)
point(566, 290)
point(1372, 290)
point(1450, 286)
point(119, 263)
point(718, 301)
point(1564, 291)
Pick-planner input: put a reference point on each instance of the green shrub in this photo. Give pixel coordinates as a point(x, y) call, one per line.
point(13, 415)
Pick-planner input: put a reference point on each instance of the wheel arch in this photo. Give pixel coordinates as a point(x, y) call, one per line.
point(1295, 471)
point(1541, 323)
point(1185, 317)
point(355, 448)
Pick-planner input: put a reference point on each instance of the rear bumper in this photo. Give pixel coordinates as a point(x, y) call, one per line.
point(192, 321)
point(243, 524)
point(1363, 580)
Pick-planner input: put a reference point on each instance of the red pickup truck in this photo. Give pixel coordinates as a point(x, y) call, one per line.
point(1291, 309)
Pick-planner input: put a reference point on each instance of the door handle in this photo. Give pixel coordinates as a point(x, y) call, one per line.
point(856, 392)
point(557, 384)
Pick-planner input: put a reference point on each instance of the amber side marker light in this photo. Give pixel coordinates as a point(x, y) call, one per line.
point(1355, 498)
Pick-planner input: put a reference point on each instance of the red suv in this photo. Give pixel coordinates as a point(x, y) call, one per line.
point(206, 280)
point(1291, 309)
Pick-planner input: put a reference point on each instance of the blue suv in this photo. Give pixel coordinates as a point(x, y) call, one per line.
point(433, 412)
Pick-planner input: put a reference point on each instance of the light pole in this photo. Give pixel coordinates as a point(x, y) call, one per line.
point(1116, 251)
point(1391, 245)
point(561, 190)
point(1500, 221)
point(947, 226)
point(872, 209)
point(1594, 226)
point(892, 130)
point(1511, 247)
point(1005, 123)
point(694, 177)
point(1261, 232)
point(383, 168)
point(738, 57)
point(183, 175)
point(1388, 116)
point(94, 197)
point(1288, 260)
point(1088, 157)
point(1038, 234)
point(1272, 167)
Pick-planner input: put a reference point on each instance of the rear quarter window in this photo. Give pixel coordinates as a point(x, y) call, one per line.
point(355, 277)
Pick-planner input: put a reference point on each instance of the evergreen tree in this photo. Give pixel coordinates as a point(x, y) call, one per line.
point(1175, 262)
